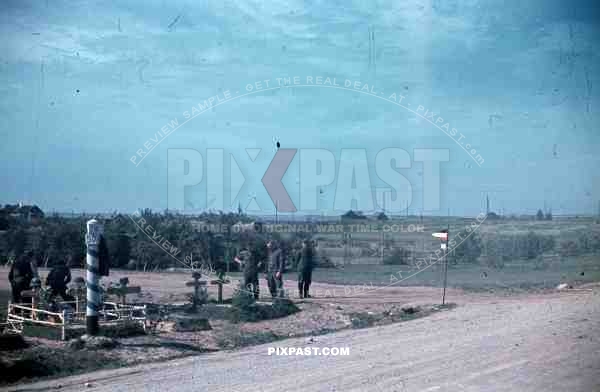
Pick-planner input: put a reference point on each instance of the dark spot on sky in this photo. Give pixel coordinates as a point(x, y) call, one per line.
point(406, 87)
point(77, 91)
point(203, 59)
point(219, 43)
point(227, 123)
point(278, 145)
point(52, 103)
point(283, 48)
point(35, 33)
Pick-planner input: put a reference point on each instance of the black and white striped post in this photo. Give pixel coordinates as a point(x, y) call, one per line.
point(92, 240)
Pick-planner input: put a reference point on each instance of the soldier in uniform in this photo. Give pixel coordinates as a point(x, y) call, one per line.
point(250, 264)
point(20, 276)
point(305, 267)
point(58, 278)
point(274, 270)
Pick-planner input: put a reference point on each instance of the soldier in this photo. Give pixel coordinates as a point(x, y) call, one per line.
point(58, 278)
point(20, 276)
point(274, 271)
point(249, 264)
point(305, 267)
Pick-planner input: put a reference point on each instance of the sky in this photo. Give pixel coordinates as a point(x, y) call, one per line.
point(85, 85)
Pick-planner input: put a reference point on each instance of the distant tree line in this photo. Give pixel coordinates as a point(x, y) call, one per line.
point(52, 238)
point(496, 249)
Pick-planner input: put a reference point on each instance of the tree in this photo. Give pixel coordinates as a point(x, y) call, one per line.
point(382, 216)
point(121, 251)
point(17, 241)
point(549, 215)
point(540, 215)
point(350, 215)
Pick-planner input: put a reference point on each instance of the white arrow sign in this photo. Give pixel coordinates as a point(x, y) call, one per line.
point(441, 235)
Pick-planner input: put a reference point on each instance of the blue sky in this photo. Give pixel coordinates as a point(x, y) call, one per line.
point(518, 79)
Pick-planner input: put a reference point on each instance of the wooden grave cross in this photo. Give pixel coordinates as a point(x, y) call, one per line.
point(220, 283)
point(123, 289)
point(197, 284)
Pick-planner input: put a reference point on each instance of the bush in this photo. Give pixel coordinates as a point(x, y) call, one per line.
point(323, 260)
point(399, 256)
point(245, 309)
point(467, 250)
point(585, 242)
point(499, 249)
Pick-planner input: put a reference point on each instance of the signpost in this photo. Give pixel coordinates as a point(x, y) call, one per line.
point(444, 237)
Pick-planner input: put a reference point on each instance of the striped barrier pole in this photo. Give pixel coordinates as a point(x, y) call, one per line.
point(92, 239)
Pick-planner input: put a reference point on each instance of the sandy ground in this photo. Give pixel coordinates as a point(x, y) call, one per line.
point(170, 287)
point(529, 342)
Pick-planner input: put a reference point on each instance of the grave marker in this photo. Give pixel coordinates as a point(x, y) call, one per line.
point(199, 288)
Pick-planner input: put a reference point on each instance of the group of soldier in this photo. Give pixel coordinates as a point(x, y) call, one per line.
point(251, 262)
point(23, 273)
point(251, 258)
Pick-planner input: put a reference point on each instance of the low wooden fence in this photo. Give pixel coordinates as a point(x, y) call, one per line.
point(21, 314)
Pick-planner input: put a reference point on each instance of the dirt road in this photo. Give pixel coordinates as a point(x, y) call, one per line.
point(545, 342)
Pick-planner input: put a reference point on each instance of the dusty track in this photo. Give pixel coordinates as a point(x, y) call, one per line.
point(528, 343)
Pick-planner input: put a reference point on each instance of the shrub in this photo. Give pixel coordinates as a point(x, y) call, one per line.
point(323, 260)
point(468, 250)
point(399, 256)
point(245, 309)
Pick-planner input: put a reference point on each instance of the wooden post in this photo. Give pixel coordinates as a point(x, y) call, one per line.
point(35, 292)
point(220, 284)
point(63, 335)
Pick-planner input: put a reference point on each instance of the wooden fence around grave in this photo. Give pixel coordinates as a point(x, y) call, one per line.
point(20, 314)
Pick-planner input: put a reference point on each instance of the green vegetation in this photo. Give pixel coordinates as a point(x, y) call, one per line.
point(245, 309)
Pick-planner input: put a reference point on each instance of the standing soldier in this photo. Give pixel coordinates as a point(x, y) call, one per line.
point(20, 276)
point(58, 278)
point(275, 264)
point(250, 264)
point(305, 268)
